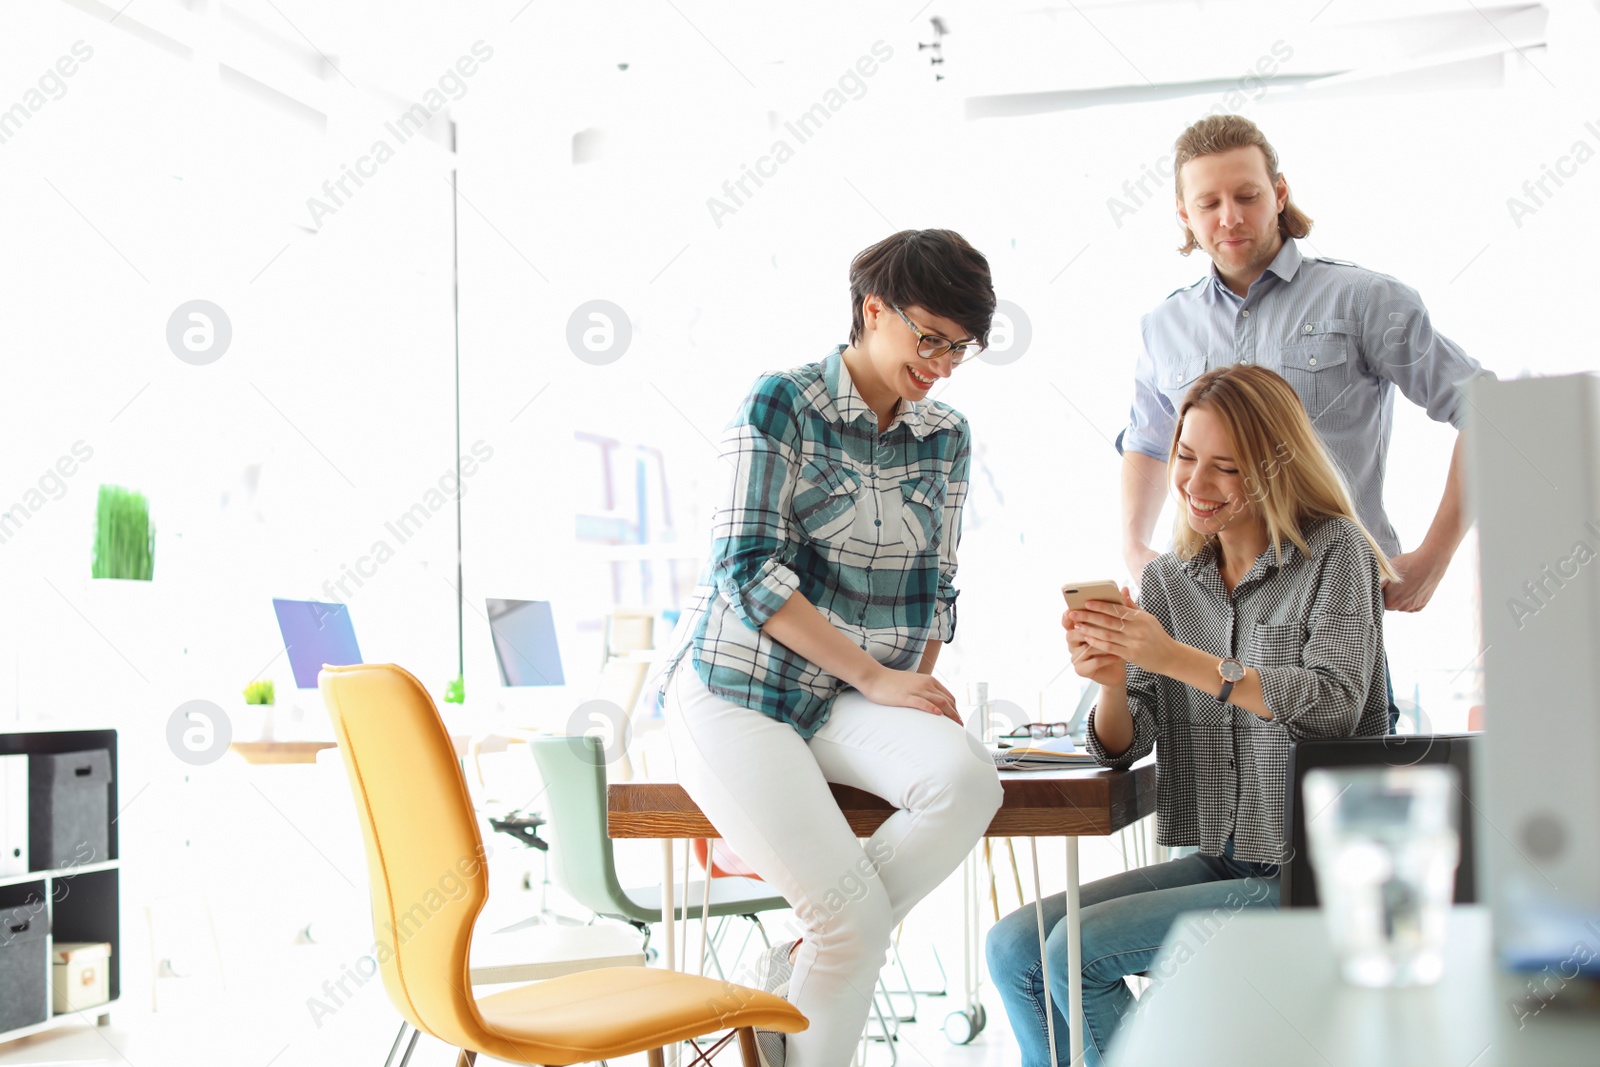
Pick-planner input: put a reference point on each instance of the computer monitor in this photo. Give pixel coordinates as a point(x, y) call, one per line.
point(314, 634)
point(524, 633)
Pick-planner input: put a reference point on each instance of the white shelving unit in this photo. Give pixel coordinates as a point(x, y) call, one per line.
point(80, 903)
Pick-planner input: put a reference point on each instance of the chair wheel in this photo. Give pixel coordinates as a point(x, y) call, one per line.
point(650, 955)
point(982, 1019)
point(960, 1027)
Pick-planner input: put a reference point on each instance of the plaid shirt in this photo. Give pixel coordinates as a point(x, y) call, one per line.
point(863, 524)
point(1312, 629)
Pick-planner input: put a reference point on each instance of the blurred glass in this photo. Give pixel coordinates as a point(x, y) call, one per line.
point(1384, 846)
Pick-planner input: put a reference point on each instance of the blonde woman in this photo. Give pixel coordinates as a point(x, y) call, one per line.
point(1263, 625)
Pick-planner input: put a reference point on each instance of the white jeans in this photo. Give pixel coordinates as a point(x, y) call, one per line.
point(765, 789)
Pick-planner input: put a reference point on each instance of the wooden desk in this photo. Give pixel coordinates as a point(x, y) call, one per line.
point(1091, 802)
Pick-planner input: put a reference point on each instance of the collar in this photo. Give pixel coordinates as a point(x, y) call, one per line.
point(1286, 264)
point(1203, 564)
point(923, 417)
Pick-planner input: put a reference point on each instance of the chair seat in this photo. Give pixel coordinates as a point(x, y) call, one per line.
point(729, 896)
point(534, 953)
point(615, 1012)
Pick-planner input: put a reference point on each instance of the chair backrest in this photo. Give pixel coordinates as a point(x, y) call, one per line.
point(425, 857)
point(581, 859)
point(1297, 886)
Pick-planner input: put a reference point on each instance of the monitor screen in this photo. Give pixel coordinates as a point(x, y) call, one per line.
point(315, 633)
point(525, 642)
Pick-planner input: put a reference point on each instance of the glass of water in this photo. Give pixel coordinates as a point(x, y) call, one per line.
point(1384, 846)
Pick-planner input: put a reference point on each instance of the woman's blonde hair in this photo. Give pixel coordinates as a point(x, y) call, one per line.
point(1223, 133)
point(1287, 471)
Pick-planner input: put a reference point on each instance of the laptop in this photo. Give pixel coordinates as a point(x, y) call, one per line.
point(315, 633)
point(524, 633)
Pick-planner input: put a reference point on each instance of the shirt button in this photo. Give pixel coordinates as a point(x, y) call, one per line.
point(1245, 313)
point(1306, 327)
point(1243, 361)
point(1312, 361)
point(879, 522)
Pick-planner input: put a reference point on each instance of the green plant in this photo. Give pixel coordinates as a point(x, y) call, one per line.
point(261, 692)
point(455, 690)
point(124, 539)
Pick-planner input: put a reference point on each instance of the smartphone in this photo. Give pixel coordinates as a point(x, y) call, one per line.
point(1078, 594)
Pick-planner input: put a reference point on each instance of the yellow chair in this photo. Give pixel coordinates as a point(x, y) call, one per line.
point(425, 863)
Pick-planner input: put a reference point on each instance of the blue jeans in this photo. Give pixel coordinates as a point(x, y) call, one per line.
point(1124, 920)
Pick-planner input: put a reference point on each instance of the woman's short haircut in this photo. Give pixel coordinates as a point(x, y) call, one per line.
point(1223, 133)
point(1286, 469)
point(936, 270)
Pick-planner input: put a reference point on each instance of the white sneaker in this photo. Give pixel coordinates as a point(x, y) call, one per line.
point(772, 976)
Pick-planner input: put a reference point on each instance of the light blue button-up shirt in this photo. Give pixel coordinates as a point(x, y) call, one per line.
point(1342, 335)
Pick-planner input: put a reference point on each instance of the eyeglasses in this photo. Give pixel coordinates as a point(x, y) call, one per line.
point(932, 346)
point(1039, 730)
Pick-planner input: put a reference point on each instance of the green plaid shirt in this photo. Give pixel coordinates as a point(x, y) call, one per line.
point(863, 524)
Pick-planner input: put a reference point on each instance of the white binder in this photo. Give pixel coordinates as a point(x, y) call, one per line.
point(13, 815)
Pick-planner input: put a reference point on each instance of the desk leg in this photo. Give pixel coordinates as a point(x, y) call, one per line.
point(1074, 954)
point(668, 927)
point(1044, 957)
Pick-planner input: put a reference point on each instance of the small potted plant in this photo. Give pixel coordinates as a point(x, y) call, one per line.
point(262, 693)
point(455, 690)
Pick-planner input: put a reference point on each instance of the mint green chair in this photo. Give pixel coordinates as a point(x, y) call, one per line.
point(581, 859)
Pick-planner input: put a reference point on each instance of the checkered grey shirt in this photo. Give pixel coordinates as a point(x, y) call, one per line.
point(1312, 628)
point(864, 524)
point(1343, 336)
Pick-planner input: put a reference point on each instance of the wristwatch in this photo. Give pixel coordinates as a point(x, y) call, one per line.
point(1232, 671)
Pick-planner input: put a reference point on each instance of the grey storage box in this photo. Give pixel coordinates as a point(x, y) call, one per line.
point(24, 967)
point(69, 808)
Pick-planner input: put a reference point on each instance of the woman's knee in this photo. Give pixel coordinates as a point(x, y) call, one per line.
point(1012, 944)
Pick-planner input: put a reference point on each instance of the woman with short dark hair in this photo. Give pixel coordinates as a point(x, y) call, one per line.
point(807, 656)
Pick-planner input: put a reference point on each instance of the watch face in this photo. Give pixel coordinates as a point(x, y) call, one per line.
point(1232, 670)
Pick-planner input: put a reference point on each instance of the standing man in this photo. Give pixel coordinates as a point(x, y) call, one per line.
point(1343, 336)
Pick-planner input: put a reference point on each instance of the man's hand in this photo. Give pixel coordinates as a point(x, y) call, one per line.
point(1100, 667)
point(1126, 631)
point(1420, 573)
point(908, 689)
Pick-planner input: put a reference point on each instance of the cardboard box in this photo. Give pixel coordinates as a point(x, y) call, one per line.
point(80, 975)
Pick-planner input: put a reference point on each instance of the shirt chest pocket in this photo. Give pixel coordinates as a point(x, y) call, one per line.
point(825, 501)
point(1318, 360)
point(1179, 376)
point(1277, 646)
point(922, 512)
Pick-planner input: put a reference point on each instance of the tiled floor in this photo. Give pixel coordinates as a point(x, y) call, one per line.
point(362, 1038)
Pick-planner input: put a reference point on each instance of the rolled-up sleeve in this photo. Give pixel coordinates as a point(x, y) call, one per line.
point(955, 499)
point(1151, 418)
point(750, 534)
point(1399, 344)
point(1324, 697)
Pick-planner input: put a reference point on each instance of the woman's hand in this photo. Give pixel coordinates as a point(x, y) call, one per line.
point(1100, 667)
point(1125, 631)
point(908, 689)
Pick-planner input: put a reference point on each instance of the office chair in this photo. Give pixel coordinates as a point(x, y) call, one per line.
point(581, 859)
point(1297, 886)
point(426, 868)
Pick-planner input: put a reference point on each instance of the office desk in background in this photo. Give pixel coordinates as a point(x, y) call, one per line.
point(1091, 802)
point(1262, 989)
